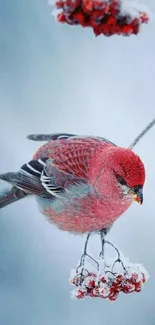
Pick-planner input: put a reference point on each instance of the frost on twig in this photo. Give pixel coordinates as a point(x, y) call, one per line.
point(114, 276)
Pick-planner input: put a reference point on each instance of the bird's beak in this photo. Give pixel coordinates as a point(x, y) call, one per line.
point(137, 194)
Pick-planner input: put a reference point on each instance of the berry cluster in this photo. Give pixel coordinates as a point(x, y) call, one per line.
point(104, 17)
point(107, 284)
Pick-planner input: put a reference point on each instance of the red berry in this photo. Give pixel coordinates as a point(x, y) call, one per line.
point(69, 6)
point(138, 286)
point(79, 17)
point(97, 30)
point(103, 279)
point(135, 21)
point(128, 287)
point(106, 8)
point(112, 29)
point(87, 6)
point(144, 17)
point(135, 28)
point(98, 5)
point(96, 292)
point(117, 29)
point(114, 296)
point(112, 291)
point(134, 277)
point(115, 5)
point(91, 284)
point(91, 294)
point(88, 291)
point(125, 289)
point(59, 4)
point(80, 294)
point(127, 29)
point(105, 29)
point(95, 18)
point(111, 20)
point(143, 278)
point(119, 279)
point(61, 18)
point(77, 280)
point(116, 286)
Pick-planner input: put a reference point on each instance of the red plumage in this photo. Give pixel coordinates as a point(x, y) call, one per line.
point(94, 164)
point(83, 184)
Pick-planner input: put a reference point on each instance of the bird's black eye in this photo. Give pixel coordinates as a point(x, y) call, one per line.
point(121, 180)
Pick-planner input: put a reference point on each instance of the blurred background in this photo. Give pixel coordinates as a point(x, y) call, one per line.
point(54, 78)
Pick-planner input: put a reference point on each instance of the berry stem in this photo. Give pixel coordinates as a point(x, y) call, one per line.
point(83, 257)
point(118, 256)
point(108, 242)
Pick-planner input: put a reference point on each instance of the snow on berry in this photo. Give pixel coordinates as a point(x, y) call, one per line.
point(106, 17)
point(108, 280)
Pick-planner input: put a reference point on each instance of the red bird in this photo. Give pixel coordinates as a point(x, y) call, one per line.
point(82, 184)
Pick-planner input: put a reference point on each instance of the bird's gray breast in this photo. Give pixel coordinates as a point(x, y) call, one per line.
point(69, 198)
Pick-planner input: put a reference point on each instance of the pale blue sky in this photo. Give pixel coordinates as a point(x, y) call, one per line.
point(56, 78)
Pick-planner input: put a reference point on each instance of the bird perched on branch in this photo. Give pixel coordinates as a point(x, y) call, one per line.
point(83, 184)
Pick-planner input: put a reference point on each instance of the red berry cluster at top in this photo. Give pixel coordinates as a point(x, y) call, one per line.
point(105, 17)
point(107, 285)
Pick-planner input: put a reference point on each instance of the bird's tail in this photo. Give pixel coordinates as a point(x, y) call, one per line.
point(10, 196)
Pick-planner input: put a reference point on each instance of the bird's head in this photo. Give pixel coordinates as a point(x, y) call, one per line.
point(129, 173)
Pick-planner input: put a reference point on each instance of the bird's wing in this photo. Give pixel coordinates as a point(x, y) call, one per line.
point(74, 156)
point(57, 165)
point(40, 177)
